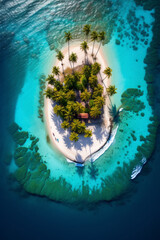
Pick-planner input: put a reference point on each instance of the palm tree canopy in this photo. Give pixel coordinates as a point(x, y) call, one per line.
point(68, 115)
point(111, 90)
point(86, 71)
point(73, 57)
point(93, 81)
point(96, 67)
point(101, 36)
point(85, 96)
point(87, 29)
point(70, 81)
point(74, 137)
point(70, 95)
point(95, 112)
point(77, 126)
point(68, 36)
point(59, 110)
point(51, 80)
point(60, 56)
point(99, 101)
point(84, 46)
point(94, 36)
point(97, 91)
point(78, 107)
point(108, 72)
point(56, 71)
point(49, 92)
point(65, 124)
point(88, 133)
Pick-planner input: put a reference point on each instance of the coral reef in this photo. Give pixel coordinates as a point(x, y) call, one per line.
point(18, 136)
point(130, 101)
point(42, 84)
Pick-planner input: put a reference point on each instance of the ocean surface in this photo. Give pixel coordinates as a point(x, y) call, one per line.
point(30, 31)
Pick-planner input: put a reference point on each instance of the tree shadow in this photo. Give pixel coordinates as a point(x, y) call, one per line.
point(79, 158)
point(93, 171)
point(67, 141)
point(78, 145)
point(80, 170)
point(99, 133)
point(114, 113)
point(57, 120)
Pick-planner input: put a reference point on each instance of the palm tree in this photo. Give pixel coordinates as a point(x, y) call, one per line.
point(86, 30)
point(84, 47)
point(56, 71)
point(96, 67)
point(49, 93)
point(94, 37)
point(77, 126)
point(68, 116)
point(68, 38)
point(99, 101)
point(93, 81)
point(65, 125)
point(51, 80)
point(60, 57)
point(107, 72)
point(86, 71)
point(60, 97)
point(74, 137)
point(85, 96)
point(78, 107)
point(95, 112)
point(59, 110)
point(97, 91)
point(73, 58)
point(88, 133)
point(101, 37)
point(70, 95)
point(70, 81)
point(111, 90)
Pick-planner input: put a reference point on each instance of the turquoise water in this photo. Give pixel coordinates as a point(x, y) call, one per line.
point(34, 38)
point(26, 28)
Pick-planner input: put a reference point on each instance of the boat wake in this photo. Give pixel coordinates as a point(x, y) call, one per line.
point(137, 169)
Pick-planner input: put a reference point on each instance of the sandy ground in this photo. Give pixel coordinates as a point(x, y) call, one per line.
point(84, 147)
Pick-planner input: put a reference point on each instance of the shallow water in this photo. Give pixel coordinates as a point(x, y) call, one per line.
point(29, 30)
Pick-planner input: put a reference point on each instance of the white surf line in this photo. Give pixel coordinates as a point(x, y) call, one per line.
point(96, 155)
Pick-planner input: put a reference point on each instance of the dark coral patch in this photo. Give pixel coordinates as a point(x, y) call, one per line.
point(130, 101)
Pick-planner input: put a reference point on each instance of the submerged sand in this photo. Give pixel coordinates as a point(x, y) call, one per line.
point(82, 149)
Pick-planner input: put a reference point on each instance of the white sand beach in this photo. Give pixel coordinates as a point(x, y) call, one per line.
point(82, 149)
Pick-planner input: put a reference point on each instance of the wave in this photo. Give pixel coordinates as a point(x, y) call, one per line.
point(137, 169)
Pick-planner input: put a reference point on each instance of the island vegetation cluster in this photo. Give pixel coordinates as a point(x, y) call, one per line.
point(79, 92)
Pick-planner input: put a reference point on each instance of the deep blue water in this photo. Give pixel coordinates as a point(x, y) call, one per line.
point(134, 216)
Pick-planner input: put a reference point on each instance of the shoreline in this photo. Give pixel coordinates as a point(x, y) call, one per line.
point(74, 152)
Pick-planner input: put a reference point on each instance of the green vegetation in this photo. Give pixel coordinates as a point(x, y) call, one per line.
point(111, 90)
point(60, 57)
point(73, 59)
point(108, 72)
point(84, 47)
point(94, 38)
point(87, 30)
point(56, 71)
point(101, 38)
point(79, 95)
point(130, 100)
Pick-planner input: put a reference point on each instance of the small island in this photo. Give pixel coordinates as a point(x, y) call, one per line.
point(77, 103)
